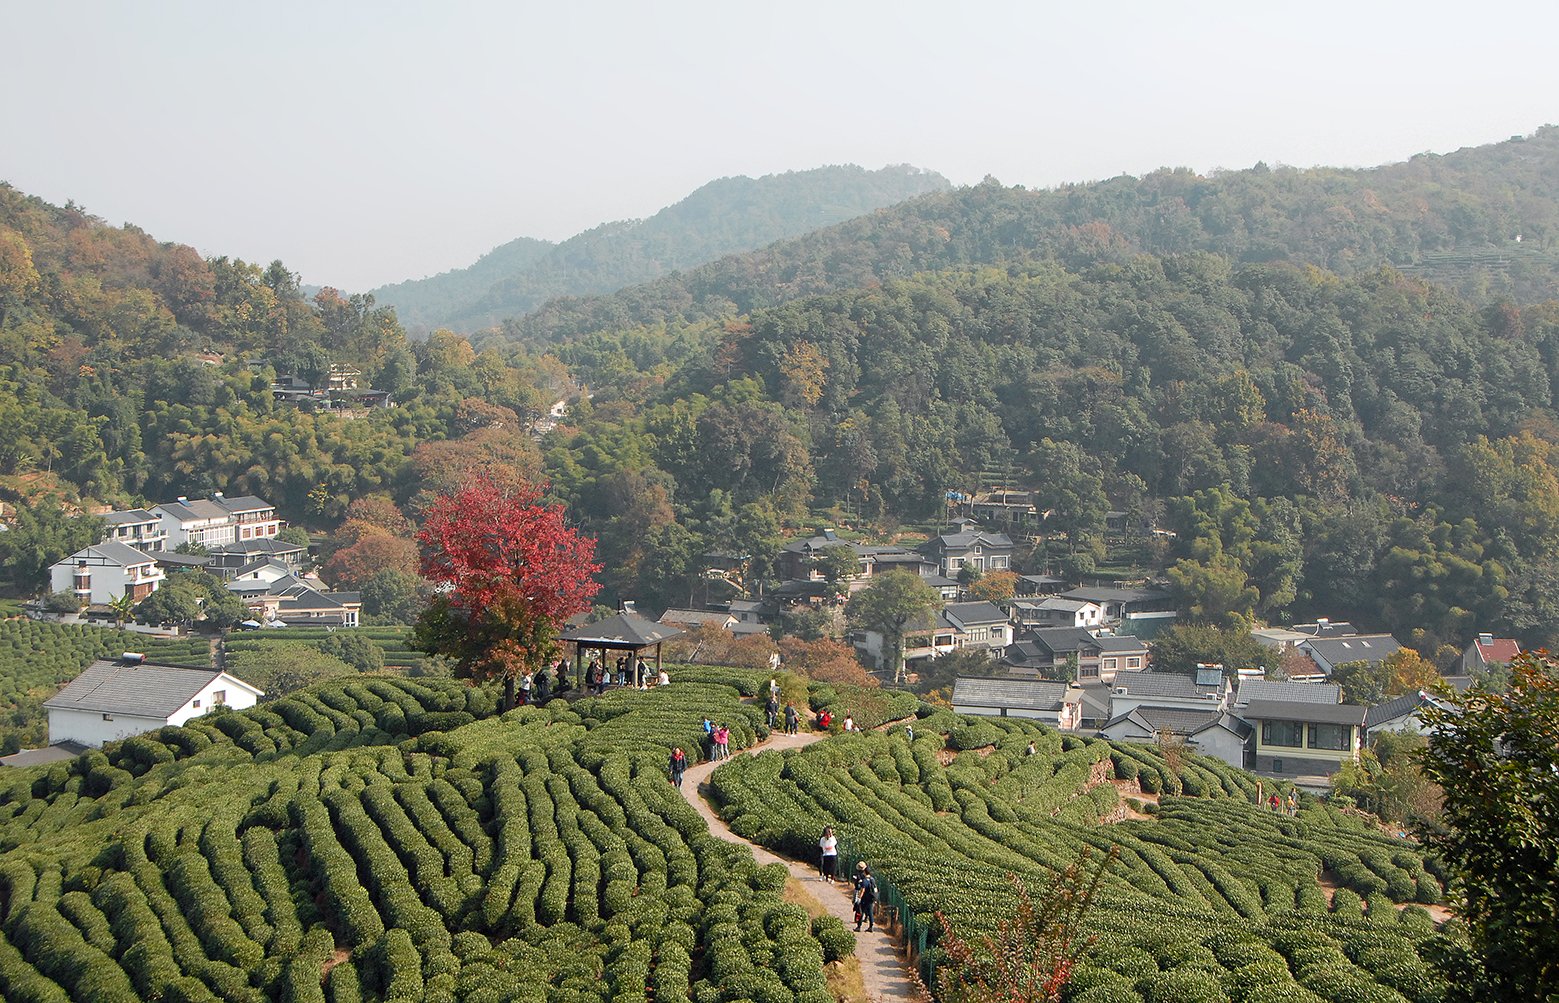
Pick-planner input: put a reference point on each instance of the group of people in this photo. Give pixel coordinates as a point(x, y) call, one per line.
point(825, 721)
point(863, 885)
point(718, 737)
point(539, 687)
point(1277, 803)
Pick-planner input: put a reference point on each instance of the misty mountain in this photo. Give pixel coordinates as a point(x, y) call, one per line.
point(1483, 221)
point(727, 216)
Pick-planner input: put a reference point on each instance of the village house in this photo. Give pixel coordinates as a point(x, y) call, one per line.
point(1124, 604)
point(969, 546)
point(136, 528)
point(217, 521)
point(979, 625)
point(111, 700)
point(1486, 650)
point(105, 572)
point(1053, 703)
point(1290, 637)
point(1206, 691)
point(1046, 651)
point(1053, 611)
point(1329, 652)
point(1029, 586)
point(1303, 739)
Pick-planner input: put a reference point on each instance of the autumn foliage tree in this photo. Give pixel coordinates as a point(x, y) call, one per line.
point(509, 571)
point(1030, 957)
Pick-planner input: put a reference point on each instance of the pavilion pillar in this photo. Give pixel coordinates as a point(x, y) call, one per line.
point(579, 659)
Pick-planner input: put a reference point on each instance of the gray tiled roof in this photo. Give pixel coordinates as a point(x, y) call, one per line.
point(974, 612)
point(1237, 725)
point(132, 517)
point(1118, 644)
point(1264, 689)
point(1162, 684)
point(243, 503)
point(622, 629)
point(1023, 694)
point(1320, 713)
point(195, 508)
point(133, 690)
point(121, 554)
point(1356, 648)
point(1393, 709)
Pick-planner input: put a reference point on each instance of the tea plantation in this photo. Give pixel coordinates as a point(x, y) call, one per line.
point(394, 839)
point(1213, 898)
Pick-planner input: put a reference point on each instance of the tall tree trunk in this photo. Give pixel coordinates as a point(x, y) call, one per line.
point(508, 691)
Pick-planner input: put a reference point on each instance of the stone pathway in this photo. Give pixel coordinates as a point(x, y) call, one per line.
point(885, 971)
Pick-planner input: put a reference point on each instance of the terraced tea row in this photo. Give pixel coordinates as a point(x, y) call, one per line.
point(1213, 898)
point(390, 840)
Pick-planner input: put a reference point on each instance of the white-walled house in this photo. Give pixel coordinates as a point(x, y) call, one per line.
point(114, 700)
point(217, 521)
point(106, 571)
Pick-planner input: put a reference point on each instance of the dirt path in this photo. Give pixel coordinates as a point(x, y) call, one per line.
point(885, 971)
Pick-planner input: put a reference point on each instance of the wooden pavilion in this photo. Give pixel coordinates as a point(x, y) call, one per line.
point(624, 632)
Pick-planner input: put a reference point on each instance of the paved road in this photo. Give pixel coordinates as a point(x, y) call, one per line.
point(884, 970)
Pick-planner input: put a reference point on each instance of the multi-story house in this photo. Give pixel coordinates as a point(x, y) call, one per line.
point(969, 546)
point(136, 528)
point(219, 521)
point(107, 571)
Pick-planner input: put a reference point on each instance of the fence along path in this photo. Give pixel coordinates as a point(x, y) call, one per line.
point(885, 972)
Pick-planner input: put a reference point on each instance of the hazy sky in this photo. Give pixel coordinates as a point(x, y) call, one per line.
point(364, 143)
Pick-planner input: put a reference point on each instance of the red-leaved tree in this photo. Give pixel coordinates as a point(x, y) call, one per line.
point(509, 571)
point(1031, 956)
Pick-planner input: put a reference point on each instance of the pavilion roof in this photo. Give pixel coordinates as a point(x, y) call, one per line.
point(625, 630)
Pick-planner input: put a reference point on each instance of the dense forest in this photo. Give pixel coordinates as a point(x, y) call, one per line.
point(1454, 218)
point(727, 216)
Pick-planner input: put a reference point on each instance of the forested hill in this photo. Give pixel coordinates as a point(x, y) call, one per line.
point(1452, 218)
point(727, 216)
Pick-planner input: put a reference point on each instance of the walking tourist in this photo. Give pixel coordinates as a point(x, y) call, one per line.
point(678, 765)
point(828, 854)
point(868, 906)
point(792, 719)
point(772, 709)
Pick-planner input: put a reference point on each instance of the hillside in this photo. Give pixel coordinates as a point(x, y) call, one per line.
point(1389, 446)
point(1452, 218)
point(133, 369)
point(727, 216)
point(382, 840)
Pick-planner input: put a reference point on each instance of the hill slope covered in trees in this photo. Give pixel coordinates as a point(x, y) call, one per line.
point(1452, 218)
point(723, 217)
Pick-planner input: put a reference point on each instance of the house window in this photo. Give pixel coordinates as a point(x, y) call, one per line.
point(1290, 734)
point(197, 705)
point(1330, 736)
point(1109, 663)
point(108, 717)
point(1134, 663)
point(998, 562)
point(217, 697)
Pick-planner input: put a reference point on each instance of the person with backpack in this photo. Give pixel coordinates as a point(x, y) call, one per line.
point(525, 684)
point(868, 901)
point(792, 719)
point(709, 736)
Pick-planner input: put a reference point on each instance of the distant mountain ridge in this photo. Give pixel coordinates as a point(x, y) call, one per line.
point(727, 216)
point(1482, 220)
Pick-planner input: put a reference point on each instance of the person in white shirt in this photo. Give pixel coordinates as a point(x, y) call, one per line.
point(662, 679)
point(849, 723)
point(828, 852)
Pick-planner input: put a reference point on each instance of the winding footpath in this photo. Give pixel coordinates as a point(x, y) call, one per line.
point(885, 972)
